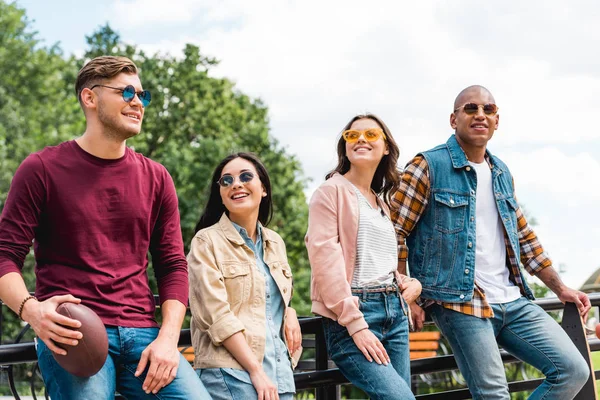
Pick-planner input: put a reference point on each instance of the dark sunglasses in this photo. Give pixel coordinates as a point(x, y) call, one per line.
point(227, 179)
point(129, 93)
point(472, 108)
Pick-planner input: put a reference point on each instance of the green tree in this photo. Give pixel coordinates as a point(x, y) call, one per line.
point(36, 108)
point(193, 122)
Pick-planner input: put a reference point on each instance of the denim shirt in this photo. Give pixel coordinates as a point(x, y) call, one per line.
point(276, 362)
point(442, 245)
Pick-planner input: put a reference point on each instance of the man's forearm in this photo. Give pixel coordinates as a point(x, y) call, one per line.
point(173, 312)
point(551, 279)
point(13, 290)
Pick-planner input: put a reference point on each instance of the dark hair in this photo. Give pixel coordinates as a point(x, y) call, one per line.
point(386, 179)
point(215, 208)
point(100, 69)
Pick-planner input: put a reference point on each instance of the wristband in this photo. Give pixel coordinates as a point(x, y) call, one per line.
point(25, 300)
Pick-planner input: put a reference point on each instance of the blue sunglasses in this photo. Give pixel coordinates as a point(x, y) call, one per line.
point(129, 93)
point(228, 180)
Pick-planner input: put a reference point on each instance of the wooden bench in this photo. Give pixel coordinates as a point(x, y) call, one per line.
point(188, 353)
point(423, 344)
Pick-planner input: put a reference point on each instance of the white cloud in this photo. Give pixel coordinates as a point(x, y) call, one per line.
point(316, 64)
point(557, 188)
point(551, 171)
point(135, 13)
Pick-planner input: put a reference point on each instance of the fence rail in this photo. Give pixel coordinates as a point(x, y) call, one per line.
point(321, 375)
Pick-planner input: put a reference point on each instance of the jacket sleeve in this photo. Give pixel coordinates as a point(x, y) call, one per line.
point(208, 296)
point(327, 261)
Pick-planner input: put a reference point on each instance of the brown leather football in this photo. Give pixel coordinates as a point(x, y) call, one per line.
point(88, 357)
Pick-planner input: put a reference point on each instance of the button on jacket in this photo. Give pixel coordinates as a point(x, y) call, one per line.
point(227, 292)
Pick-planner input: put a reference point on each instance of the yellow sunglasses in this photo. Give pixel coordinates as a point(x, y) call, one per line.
point(371, 135)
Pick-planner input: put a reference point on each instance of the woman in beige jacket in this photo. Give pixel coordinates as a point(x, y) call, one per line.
point(245, 335)
point(353, 255)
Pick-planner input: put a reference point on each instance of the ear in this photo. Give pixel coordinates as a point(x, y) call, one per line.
point(497, 121)
point(387, 150)
point(88, 98)
point(453, 120)
point(264, 191)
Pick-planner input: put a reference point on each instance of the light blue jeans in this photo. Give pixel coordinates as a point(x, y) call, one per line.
point(125, 346)
point(526, 331)
point(224, 386)
point(387, 320)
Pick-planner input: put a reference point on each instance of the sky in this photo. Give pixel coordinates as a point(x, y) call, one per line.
point(318, 63)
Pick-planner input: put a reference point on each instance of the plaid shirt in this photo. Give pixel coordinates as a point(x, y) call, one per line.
point(409, 203)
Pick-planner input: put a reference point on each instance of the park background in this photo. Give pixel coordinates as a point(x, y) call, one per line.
point(281, 78)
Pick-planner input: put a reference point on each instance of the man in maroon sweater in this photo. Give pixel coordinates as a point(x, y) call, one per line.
point(93, 209)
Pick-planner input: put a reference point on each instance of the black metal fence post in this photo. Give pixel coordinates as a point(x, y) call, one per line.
point(321, 364)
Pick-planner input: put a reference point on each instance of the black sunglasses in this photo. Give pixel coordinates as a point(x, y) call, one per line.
point(227, 179)
point(472, 108)
point(129, 93)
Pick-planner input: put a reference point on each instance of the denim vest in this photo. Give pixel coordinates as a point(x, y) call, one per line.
point(442, 245)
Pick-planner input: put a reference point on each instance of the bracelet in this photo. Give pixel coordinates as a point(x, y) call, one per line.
point(25, 300)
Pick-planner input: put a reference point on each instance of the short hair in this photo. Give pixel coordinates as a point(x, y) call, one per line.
point(101, 69)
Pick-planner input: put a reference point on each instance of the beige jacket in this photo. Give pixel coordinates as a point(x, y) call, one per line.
point(331, 242)
point(227, 292)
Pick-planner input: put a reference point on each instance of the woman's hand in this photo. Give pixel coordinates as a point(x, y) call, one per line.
point(411, 289)
point(371, 347)
point(293, 334)
point(266, 389)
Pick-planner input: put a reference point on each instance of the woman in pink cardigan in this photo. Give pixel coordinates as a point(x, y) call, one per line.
point(353, 250)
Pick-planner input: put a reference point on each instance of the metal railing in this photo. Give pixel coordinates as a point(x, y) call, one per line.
point(319, 373)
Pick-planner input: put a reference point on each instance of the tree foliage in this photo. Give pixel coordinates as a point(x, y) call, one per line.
point(193, 122)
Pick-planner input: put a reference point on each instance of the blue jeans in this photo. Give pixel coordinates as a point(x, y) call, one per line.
point(387, 320)
point(526, 331)
point(224, 386)
point(125, 346)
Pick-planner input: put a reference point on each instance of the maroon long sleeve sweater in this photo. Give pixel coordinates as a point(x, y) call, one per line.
point(92, 222)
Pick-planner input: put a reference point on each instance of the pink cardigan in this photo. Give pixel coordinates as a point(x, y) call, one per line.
point(331, 243)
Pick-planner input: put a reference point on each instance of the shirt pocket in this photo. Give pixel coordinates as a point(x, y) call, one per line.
point(450, 211)
point(236, 276)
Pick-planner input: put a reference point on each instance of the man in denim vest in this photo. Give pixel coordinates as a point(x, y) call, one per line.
point(464, 235)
